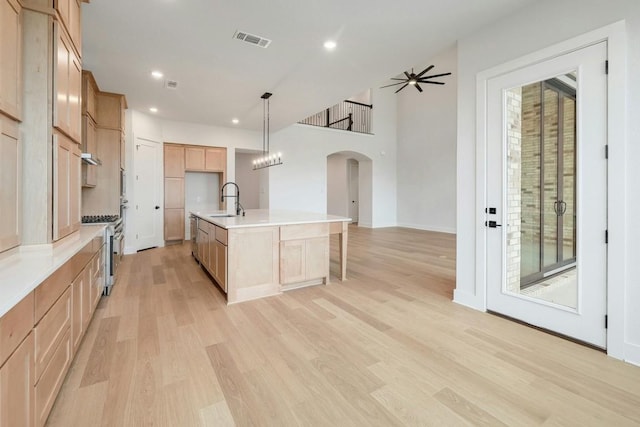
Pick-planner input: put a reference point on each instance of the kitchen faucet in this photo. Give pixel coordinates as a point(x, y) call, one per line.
point(237, 196)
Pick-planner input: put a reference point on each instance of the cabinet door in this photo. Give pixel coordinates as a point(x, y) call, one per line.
point(194, 158)
point(215, 159)
point(77, 288)
point(89, 95)
point(90, 145)
point(75, 90)
point(66, 186)
point(49, 384)
point(202, 240)
point(174, 193)
point(173, 161)
point(317, 258)
point(62, 54)
point(173, 224)
point(11, 58)
point(16, 384)
point(75, 25)
point(10, 178)
point(49, 332)
point(221, 264)
point(110, 110)
point(292, 261)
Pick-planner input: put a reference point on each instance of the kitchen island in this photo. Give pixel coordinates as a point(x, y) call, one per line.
point(266, 252)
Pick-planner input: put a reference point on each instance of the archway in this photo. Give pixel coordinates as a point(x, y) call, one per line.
point(349, 186)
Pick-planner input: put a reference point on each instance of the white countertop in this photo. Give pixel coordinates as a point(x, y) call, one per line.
point(266, 217)
point(22, 269)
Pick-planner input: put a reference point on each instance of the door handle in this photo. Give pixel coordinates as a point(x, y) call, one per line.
point(492, 224)
point(563, 207)
point(157, 207)
point(555, 207)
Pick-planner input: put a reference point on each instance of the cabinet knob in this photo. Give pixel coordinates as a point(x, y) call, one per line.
point(157, 207)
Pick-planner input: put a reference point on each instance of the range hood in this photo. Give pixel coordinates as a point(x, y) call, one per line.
point(90, 159)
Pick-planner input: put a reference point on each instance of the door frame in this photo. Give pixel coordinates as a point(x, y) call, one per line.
point(615, 35)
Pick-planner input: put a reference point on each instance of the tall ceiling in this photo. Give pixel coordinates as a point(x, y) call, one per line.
point(220, 78)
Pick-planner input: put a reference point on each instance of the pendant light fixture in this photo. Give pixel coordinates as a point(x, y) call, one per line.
point(267, 159)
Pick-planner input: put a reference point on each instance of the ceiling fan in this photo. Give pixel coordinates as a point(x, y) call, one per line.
point(414, 79)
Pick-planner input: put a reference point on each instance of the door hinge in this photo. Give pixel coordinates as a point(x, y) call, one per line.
point(606, 66)
point(606, 151)
point(606, 236)
point(606, 321)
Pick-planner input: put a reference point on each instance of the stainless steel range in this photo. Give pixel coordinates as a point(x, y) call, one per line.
point(115, 245)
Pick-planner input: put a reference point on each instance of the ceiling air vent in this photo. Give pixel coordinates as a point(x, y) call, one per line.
point(171, 84)
point(252, 39)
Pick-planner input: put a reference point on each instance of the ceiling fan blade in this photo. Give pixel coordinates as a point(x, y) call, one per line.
point(405, 85)
point(433, 83)
point(408, 75)
point(418, 87)
point(394, 84)
point(393, 78)
point(426, 70)
point(435, 75)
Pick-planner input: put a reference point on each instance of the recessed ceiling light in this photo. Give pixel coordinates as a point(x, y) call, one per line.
point(157, 74)
point(153, 109)
point(235, 121)
point(330, 45)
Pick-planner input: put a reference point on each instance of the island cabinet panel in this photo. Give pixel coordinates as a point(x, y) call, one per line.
point(17, 381)
point(304, 253)
point(10, 183)
point(253, 263)
point(221, 264)
point(11, 58)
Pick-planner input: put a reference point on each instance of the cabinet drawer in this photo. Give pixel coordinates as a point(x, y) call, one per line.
point(51, 330)
point(221, 235)
point(14, 326)
point(304, 231)
point(51, 380)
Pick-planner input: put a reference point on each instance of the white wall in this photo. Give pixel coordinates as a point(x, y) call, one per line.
point(300, 183)
point(201, 193)
point(514, 37)
point(248, 180)
point(427, 150)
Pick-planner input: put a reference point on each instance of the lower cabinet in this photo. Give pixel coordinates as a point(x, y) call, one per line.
point(221, 264)
point(211, 242)
point(49, 383)
point(173, 224)
point(17, 378)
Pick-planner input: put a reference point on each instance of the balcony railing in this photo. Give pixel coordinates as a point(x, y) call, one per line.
point(348, 115)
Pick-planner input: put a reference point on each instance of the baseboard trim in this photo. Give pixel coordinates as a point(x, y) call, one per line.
point(428, 228)
point(632, 354)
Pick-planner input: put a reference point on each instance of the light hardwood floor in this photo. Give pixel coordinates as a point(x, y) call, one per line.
point(385, 348)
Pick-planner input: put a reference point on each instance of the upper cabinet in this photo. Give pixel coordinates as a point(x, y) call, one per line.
point(11, 58)
point(205, 159)
point(10, 162)
point(70, 15)
point(67, 82)
point(110, 110)
point(89, 93)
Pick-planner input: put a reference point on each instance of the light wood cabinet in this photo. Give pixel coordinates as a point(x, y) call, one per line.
point(173, 224)
point(15, 325)
point(51, 329)
point(221, 264)
point(202, 240)
point(205, 159)
point(174, 158)
point(10, 179)
point(49, 383)
point(89, 93)
point(66, 186)
point(78, 288)
point(17, 381)
point(173, 193)
point(96, 283)
point(304, 253)
point(89, 145)
point(70, 16)
point(110, 110)
point(67, 81)
point(11, 58)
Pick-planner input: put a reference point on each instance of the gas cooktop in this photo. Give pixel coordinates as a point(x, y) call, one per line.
point(97, 219)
